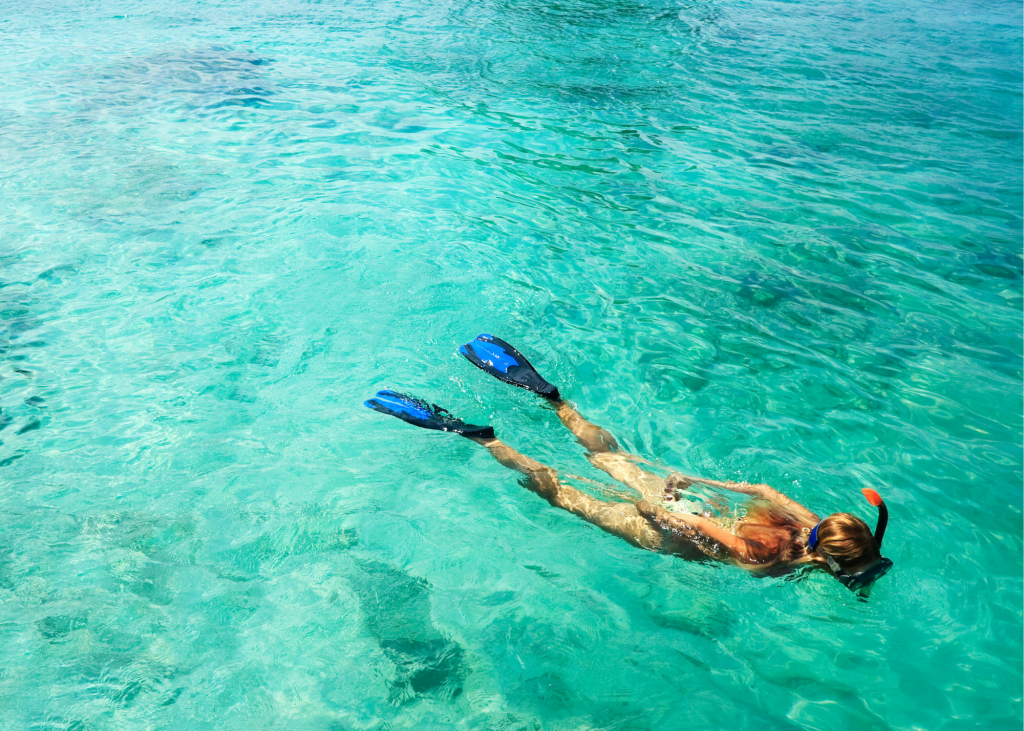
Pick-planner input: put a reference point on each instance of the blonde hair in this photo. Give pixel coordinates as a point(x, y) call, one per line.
point(773, 537)
point(847, 539)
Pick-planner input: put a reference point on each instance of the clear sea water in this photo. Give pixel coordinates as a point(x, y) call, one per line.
point(776, 241)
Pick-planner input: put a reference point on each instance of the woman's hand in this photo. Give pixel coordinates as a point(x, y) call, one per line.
point(661, 517)
point(647, 509)
point(677, 482)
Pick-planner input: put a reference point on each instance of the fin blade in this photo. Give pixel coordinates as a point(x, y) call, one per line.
point(501, 360)
point(420, 413)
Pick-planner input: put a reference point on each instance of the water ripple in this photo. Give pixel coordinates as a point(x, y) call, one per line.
point(772, 241)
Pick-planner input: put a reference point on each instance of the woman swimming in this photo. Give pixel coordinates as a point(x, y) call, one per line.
point(775, 535)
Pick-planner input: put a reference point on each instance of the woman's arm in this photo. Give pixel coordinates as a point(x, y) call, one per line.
point(765, 492)
point(693, 523)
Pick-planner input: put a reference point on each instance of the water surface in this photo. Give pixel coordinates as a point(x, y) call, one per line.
point(762, 240)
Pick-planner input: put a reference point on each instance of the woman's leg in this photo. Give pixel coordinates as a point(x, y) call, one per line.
point(621, 519)
point(593, 438)
point(604, 454)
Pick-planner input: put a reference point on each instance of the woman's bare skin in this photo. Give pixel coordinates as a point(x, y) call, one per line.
point(646, 524)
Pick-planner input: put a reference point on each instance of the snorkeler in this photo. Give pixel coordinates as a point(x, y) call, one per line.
point(775, 534)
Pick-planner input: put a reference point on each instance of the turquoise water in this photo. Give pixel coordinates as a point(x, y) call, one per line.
point(764, 240)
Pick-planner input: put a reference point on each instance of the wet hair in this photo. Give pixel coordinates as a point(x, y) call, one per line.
point(772, 536)
point(848, 540)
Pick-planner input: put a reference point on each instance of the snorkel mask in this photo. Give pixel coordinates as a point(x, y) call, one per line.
point(865, 578)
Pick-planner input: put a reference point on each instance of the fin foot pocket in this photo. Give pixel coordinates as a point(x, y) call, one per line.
point(425, 415)
point(495, 356)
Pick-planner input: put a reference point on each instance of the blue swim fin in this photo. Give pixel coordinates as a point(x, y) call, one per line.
point(428, 416)
point(495, 356)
